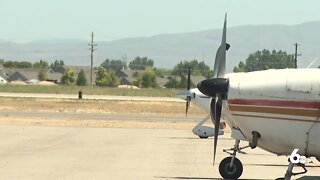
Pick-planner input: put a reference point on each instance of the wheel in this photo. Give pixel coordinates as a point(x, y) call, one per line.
point(203, 137)
point(233, 172)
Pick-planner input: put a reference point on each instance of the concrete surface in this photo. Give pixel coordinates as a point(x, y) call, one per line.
point(39, 152)
point(92, 97)
point(100, 116)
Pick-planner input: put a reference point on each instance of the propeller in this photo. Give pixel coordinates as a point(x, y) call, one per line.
point(188, 89)
point(217, 87)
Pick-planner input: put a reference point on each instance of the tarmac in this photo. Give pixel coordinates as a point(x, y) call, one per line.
point(82, 153)
point(92, 97)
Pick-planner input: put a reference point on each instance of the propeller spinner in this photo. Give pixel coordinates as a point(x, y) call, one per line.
point(217, 87)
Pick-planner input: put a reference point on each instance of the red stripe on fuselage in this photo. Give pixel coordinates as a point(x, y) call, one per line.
point(278, 103)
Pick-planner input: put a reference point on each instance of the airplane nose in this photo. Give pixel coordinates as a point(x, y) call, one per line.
point(211, 87)
point(199, 85)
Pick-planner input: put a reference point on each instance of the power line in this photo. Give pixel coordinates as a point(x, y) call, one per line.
point(92, 45)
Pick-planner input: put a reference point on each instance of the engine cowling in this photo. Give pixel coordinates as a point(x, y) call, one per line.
point(211, 87)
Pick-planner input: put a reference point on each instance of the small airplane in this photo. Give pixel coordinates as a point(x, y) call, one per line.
point(275, 110)
point(203, 101)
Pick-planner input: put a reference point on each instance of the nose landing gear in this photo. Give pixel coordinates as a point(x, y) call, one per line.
point(231, 167)
point(230, 171)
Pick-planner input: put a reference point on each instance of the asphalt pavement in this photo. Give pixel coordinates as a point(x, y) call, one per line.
point(91, 97)
point(51, 153)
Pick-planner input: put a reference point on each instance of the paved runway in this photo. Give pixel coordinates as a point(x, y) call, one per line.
point(91, 97)
point(38, 152)
point(99, 116)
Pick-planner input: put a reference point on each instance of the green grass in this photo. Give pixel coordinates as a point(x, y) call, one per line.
point(88, 90)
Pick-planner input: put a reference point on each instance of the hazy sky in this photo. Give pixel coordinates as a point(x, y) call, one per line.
point(24, 20)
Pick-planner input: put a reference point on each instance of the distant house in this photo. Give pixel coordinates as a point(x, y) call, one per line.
point(3, 76)
point(30, 75)
point(162, 81)
point(2, 80)
point(126, 76)
point(18, 76)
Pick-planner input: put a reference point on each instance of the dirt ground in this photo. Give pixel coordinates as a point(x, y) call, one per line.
point(96, 106)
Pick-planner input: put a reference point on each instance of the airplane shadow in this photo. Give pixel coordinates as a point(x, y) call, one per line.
point(198, 178)
point(279, 165)
point(309, 178)
point(198, 138)
point(208, 178)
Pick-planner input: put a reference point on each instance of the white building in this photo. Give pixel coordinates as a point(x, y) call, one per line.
point(2, 80)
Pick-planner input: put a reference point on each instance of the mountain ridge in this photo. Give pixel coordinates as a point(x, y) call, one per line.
point(168, 49)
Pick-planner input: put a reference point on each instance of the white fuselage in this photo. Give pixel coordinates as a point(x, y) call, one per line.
point(200, 99)
point(282, 105)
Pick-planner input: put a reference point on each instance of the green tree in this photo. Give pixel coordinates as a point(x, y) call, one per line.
point(138, 79)
point(172, 83)
point(40, 64)
point(24, 64)
point(68, 78)
point(240, 68)
point(81, 79)
point(263, 60)
point(114, 80)
point(197, 68)
point(102, 78)
point(183, 82)
point(140, 63)
point(146, 79)
point(149, 78)
point(42, 76)
point(58, 66)
point(114, 65)
point(105, 79)
point(17, 64)
point(162, 71)
point(181, 70)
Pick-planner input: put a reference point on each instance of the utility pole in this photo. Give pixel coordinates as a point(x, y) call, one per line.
point(124, 61)
point(92, 45)
point(296, 55)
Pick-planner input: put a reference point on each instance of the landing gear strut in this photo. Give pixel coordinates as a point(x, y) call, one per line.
point(289, 172)
point(231, 167)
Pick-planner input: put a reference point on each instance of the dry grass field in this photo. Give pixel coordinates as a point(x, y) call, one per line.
point(40, 107)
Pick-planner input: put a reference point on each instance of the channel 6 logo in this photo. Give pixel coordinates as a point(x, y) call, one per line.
point(295, 158)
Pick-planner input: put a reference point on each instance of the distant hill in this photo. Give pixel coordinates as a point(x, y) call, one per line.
point(168, 49)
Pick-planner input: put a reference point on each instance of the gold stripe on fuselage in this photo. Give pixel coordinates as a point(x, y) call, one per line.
point(276, 110)
point(276, 118)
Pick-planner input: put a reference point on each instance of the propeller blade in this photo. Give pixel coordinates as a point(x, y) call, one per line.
point(220, 61)
point(217, 116)
point(188, 104)
point(212, 109)
point(217, 87)
point(189, 81)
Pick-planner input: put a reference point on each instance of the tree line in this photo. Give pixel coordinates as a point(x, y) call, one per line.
point(146, 74)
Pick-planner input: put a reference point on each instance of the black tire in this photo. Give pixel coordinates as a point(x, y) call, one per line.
point(228, 172)
point(203, 137)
